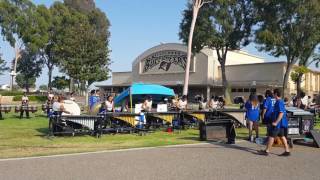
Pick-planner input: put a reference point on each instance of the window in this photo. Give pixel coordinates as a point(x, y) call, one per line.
point(233, 90)
point(246, 90)
point(253, 90)
point(240, 90)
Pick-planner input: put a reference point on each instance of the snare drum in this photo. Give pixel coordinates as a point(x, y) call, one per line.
point(32, 109)
point(4, 108)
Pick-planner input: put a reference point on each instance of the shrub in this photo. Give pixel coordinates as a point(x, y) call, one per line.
point(11, 93)
point(31, 98)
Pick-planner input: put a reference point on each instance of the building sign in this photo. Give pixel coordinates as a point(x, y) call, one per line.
point(164, 61)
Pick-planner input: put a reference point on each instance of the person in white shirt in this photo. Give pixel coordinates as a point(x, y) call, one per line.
point(213, 104)
point(58, 107)
point(24, 105)
point(147, 104)
point(304, 100)
point(183, 103)
point(109, 104)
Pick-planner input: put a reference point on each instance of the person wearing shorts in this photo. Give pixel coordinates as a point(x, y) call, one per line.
point(253, 115)
point(279, 125)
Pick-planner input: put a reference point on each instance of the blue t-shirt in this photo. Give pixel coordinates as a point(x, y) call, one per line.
point(253, 112)
point(279, 107)
point(268, 104)
point(93, 100)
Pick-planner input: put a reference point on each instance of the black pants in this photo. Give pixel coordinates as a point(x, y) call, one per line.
point(0, 115)
point(22, 110)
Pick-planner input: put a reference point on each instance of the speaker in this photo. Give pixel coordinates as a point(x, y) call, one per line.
point(316, 137)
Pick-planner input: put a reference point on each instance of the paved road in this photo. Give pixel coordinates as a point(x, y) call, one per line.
point(204, 161)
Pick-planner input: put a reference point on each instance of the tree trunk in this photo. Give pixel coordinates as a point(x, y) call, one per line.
point(71, 84)
point(299, 84)
point(225, 84)
point(187, 70)
point(285, 89)
point(27, 86)
point(50, 69)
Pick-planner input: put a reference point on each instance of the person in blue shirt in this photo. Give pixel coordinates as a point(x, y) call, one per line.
point(253, 115)
point(279, 125)
point(268, 105)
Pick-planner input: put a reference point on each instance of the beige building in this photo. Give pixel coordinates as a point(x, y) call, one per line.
point(165, 64)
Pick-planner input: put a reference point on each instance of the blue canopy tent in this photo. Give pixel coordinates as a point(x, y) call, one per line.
point(139, 89)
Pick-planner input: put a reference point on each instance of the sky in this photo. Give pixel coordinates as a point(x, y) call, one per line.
point(135, 27)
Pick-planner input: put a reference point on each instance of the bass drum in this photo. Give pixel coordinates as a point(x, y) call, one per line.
point(95, 109)
point(72, 107)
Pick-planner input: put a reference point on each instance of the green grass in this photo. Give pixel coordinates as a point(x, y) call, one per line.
point(28, 137)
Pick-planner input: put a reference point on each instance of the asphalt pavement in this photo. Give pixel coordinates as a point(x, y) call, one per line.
point(203, 161)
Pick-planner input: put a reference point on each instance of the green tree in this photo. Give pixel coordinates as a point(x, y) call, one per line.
point(60, 82)
point(43, 87)
point(288, 28)
point(82, 50)
point(29, 68)
point(297, 74)
point(81, 5)
point(222, 25)
point(25, 82)
point(3, 66)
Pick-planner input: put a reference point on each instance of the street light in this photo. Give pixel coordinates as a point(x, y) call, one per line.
point(12, 74)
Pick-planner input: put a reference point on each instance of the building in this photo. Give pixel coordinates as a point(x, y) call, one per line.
point(165, 64)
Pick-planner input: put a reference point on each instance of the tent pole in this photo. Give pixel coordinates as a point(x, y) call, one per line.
point(130, 100)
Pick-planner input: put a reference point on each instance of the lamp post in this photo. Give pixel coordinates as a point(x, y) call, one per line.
point(13, 75)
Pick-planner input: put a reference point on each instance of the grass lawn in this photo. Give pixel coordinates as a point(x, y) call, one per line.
point(28, 137)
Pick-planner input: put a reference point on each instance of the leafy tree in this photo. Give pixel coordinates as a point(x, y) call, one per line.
point(289, 28)
point(3, 66)
point(43, 87)
point(82, 50)
point(29, 68)
point(81, 5)
point(296, 76)
point(25, 82)
point(222, 25)
point(60, 82)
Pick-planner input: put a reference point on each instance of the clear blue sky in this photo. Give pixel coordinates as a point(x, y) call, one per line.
point(135, 26)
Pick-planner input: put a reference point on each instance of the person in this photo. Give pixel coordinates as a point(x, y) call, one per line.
point(268, 105)
point(203, 104)
point(93, 99)
point(213, 104)
point(173, 105)
point(304, 100)
point(147, 104)
point(72, 96)
point(50, 95)
point(183, 103)
point(286, 102)
point(279, 125)
point(299, 103)
point(221, 103)
point(125, 105)
point(57, 106)
point(253, 115)
point(24, 105)
point(109, 104)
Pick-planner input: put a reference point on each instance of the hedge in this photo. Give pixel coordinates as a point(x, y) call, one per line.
point(31, 98)
point(11, 93)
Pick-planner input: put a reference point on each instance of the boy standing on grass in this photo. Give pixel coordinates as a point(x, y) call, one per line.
point(279, 125)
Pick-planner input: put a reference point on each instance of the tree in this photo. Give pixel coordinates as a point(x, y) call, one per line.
point(43, 87)
point(296, 76)
point(3, 66)
point(81, 5)
point(196, 5)
point(289, 28)
point(60, 82)
point(222, 25)
point(82, 48)
point(29, 68)
point(25, 82)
